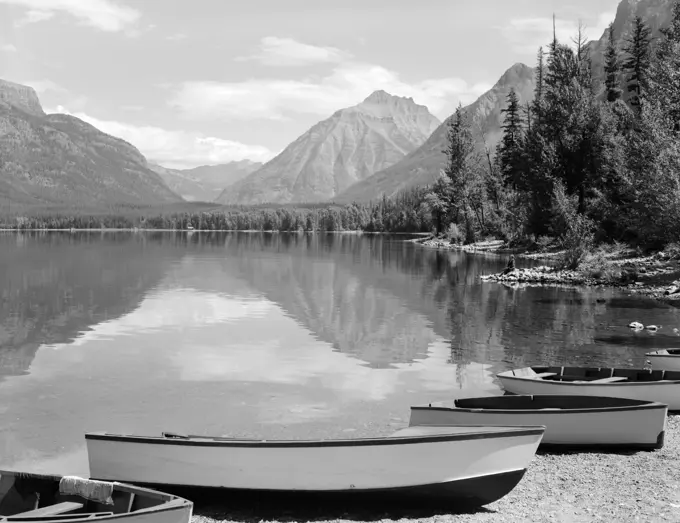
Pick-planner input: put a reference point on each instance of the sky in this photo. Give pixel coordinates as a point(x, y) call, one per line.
point(204, 82)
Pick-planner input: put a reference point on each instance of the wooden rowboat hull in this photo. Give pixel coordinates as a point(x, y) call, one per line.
point(666, 390)
point(577, 421)
point(38, 497)
point(471, 465)
point(665, 359)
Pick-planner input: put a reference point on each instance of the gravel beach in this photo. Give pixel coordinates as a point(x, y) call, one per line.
point(568, 487)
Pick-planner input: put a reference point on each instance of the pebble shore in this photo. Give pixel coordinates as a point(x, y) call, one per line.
point(656, 276)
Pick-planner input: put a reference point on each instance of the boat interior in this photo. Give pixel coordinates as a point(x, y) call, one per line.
point(39, 497)
point(546, 401)
point(595, 374)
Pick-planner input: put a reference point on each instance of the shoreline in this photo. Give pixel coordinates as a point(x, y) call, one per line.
point(655, 276)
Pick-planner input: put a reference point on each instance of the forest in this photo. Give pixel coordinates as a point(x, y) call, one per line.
point(587, 161)
point(592, 159)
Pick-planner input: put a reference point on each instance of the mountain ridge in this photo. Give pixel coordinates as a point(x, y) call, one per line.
point(338, 151)
point(60, 159)
point(205, 182)
point(423, 165)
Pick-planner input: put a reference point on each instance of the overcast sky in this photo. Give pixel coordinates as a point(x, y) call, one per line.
point(193, 82)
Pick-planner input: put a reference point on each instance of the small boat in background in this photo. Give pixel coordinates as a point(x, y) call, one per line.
point(570, 421)
point(70, 499)
point(470, 465)
point(666, 359)
point(639, 384)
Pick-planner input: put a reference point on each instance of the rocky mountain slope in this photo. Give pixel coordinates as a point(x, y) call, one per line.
point(347, 147)
point(205, 183)
point(60, 160)
point(423, 165)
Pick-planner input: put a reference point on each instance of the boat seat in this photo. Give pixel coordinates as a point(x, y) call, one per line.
point(52, 510)
point(542, 375)
point(609, 380)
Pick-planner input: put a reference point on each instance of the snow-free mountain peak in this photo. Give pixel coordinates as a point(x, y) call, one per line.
point(337, 152)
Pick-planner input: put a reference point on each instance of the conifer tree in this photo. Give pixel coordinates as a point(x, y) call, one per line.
point(612, 68)
point(463, 169)
point(637, 64)
point(664, 74)
point(510, 148)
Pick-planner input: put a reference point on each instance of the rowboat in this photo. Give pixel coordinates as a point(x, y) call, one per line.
point(666, 359)
point(470, 465)
point(570, 421)
point(70, 499)
point(662, 386)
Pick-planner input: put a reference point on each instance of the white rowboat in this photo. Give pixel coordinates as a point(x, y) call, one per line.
point(570, 421)
point(639, 384)
point(472, 465)
point(667, 359)
point(70, 499)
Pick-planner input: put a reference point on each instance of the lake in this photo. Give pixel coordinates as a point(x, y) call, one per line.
point(270, 335)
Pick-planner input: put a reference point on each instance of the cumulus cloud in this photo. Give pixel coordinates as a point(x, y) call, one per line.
point(106, 15)
point(526, 35)
point(8, 48)
point(175, 149)
point(288, 52)
point(346, 84)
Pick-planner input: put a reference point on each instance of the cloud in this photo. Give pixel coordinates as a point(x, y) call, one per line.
point(176, 37)
point(105, 15)
point(33, 16)
point(346, 84)
point(526, 35)
point(8, 48)
point(276, 51)
point(41, 86)
point(175, 149)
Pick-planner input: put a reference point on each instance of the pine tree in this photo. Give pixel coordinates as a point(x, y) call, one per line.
point(612, 68)
point(510, 148)
point(638, 62)
point(463, 169)
point(664, 74)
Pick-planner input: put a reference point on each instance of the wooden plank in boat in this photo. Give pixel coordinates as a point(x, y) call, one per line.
point(52, 510)
point(609, 380)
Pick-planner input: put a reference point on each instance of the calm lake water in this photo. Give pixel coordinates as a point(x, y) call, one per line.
point(270, 335)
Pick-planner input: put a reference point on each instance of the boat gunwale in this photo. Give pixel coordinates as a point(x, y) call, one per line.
point(646, 405)
point(665, 354)
point(208, 441)
point(171, 502)
point(508, 374)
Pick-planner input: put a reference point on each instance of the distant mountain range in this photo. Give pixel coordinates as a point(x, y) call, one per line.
point(380, 146)
point(334, 154)
point(60, 160)
point(205, 183)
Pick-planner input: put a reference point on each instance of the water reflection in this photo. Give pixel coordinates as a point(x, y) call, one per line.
point(270, 334)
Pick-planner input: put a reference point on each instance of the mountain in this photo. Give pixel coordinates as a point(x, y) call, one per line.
point(205, 183)
point(347, 147)
point(422, 166)
point(59, 159)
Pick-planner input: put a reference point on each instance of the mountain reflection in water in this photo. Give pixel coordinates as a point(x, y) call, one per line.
point(273, 335)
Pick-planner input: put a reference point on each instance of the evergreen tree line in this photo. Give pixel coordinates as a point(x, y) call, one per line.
point(585, 161)
point(406, 212)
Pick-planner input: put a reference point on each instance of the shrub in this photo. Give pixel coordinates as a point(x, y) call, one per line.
point(574, 230)
point(454, 234)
